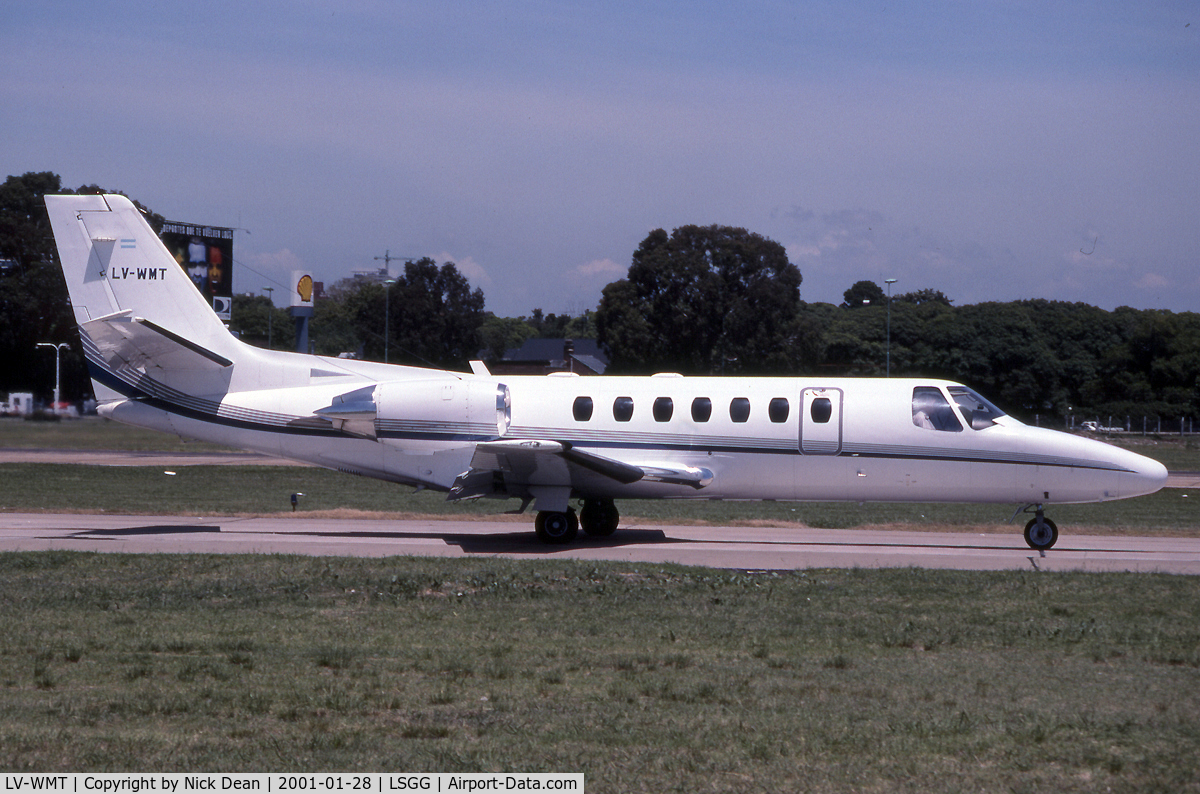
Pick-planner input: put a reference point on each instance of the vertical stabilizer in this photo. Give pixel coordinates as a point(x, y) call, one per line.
point(137, 309)
point(114, 262)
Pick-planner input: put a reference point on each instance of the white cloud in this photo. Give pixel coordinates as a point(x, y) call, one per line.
point(601, 268)
point(281, 261)
point(1152, 281)
point(474, 271)
point(1092, 261)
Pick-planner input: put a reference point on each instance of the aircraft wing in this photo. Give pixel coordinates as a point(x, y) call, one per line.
point(498, 467)
point(132, 342)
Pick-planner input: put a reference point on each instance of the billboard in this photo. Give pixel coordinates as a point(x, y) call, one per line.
point(206, 253)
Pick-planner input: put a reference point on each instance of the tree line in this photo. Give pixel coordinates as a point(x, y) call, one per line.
point(699, 300)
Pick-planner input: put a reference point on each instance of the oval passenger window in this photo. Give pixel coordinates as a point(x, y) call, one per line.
point(821, 410)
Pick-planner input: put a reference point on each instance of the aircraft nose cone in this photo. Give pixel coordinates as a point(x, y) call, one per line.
point(1146, 477)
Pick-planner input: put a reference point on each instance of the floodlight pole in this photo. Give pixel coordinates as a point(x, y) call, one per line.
point(270, 311)
point(889, 282)
point(57, 369)
point(388, 281)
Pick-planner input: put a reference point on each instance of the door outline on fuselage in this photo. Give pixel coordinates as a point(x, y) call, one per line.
point(816, 437)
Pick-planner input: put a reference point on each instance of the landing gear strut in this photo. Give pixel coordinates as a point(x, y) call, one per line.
point(1041, 533)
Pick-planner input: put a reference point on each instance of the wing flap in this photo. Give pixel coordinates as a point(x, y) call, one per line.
point(505, 468)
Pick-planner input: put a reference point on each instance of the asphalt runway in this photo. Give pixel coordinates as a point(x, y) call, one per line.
point(745, 548)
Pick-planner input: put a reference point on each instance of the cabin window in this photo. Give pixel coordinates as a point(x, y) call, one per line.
point(663, 408)
point(739, 409)
point(701, 409)
point(778, 409)
point(930, 410)
point(623, 409)
point(582, 409)
point(820, 410)
point(979, 413)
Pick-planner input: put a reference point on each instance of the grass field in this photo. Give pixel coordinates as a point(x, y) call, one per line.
point(645, 677)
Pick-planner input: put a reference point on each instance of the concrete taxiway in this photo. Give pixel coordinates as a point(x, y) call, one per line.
point(720, 547)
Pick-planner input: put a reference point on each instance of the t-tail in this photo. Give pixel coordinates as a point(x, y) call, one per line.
point(137, 309)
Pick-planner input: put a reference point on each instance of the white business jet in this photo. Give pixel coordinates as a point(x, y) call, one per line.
point(159, 357)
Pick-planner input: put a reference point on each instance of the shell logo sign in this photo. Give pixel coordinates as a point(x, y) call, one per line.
point(302, 288)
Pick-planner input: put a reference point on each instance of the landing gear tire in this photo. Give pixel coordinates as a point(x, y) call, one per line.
point(554, 527)
point(1041, 533)
point(599, 517)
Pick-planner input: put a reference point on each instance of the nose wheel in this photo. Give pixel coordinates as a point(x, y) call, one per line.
point(1041, 533)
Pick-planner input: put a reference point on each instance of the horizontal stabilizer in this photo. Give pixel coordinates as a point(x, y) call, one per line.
point(353, 413)
point(132, 342)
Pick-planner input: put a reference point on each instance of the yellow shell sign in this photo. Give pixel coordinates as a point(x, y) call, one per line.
point(304, 288)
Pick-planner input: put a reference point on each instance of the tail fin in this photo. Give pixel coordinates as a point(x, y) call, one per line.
point(135, 306)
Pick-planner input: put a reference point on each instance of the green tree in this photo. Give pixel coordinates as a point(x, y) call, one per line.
point(863, 294)
point(922, 296)
point(333, 329)
point(25, 237)
point(704, 299)
point(249, 322)
point(497, 335)
point(582, 326)
point(433, 316)
point(34, 305)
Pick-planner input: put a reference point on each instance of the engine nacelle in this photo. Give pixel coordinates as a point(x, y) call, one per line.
point(425, 415)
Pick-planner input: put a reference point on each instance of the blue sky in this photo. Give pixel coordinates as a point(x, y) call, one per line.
point(994, 151)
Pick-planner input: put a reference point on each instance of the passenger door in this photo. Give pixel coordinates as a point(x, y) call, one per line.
point(821, 421)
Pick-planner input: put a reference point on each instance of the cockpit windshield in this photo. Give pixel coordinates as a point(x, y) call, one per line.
point(979, 413)
point(930, 410)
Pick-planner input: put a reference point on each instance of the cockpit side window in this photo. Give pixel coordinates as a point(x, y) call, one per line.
point(979, 413)
point(931, 411)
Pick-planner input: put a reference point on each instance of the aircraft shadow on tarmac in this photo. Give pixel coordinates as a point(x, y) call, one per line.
point(524, 542)
point(133, 532)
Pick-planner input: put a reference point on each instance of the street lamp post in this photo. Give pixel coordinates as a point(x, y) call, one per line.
point(387, 283)
point(270, 310)
point(57, 369)
point(889, 282)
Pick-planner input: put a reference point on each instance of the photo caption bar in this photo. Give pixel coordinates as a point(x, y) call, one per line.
point(272, 782)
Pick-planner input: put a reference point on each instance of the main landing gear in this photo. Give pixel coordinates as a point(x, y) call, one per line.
point(598, 518)
point(1040, 533)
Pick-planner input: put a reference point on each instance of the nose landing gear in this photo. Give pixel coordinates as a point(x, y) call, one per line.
point(1040, 533)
